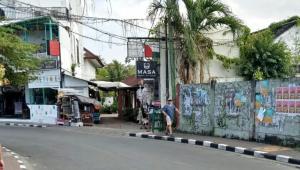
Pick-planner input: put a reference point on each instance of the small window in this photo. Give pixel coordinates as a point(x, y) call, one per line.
point(42, 96)
point(77, 51)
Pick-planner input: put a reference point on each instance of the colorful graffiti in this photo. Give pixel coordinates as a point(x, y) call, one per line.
point(232, 104)
point(194, 107)
point(237, 109)
point(264, 103)
point(273, 104)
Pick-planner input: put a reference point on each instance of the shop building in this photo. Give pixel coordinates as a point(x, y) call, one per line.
point(67, 65)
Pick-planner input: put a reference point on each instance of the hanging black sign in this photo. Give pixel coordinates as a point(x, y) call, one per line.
point(146, 69)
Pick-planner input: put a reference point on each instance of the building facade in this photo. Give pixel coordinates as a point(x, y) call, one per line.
point(67, 65)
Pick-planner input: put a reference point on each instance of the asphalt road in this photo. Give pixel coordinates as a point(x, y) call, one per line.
point(58, 148)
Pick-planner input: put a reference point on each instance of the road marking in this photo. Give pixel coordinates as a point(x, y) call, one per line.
point(249, 153)
point(222, 146)
point(259, 154)
point(283, 158)
point(192, 141)
point(178, 140)
point(22, 166)
point(239, 149)
point(207, 143)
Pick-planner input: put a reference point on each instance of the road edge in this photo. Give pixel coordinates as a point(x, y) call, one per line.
point(224, 147)
point(23, 125)
point(18, 159)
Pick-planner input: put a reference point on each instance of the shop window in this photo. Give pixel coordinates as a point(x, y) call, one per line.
point(45, 96)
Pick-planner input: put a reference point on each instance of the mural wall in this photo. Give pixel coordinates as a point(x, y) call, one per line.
point(232, 113)
point(195, 108)
point(266, 110)
point(277, 111)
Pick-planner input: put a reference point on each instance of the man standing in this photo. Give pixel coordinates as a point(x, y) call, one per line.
point(168, 110)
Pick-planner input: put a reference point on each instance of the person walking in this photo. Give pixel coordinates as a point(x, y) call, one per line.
point(169, 111)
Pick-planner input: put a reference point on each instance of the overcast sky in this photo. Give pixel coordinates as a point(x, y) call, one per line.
point(257, 14)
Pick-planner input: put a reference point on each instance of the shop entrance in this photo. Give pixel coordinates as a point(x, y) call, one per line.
point(12, 104)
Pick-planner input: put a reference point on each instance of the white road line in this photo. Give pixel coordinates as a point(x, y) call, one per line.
point(20, 162)
point(222, 146)
point(207, 143)
point(192, 141)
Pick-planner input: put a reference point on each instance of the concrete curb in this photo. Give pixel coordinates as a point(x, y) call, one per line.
point(240, 150)
point(20, 162)
point(23, 125)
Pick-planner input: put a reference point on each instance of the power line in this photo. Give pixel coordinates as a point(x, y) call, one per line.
point(96, 29)
point(82, 18)
point(103, 32)
point(95, 39)
point(74, 17)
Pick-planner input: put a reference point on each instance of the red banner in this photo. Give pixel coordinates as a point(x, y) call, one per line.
point(54, 48)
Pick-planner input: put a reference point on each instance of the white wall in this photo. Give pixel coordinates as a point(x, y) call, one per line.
point(44, 114)
point(68, 39)
point(89, 72)
point(69, 48)
point(224, 45)
point(290, 37)
point(79, 85)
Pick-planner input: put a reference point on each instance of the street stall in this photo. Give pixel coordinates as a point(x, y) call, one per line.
point(77, 110)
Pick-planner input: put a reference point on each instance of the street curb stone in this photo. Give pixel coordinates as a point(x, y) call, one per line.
point(17, 158)
point(23, 125)
point(224, 147)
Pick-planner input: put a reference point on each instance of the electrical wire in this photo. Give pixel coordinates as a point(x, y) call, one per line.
point(99, 30)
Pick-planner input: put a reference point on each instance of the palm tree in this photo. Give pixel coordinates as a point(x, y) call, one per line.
point(202, 15)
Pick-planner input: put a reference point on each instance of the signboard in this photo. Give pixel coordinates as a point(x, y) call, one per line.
point(46, 79)
point(146, 69)
point(50, 64)
point(54, 48)
point(139, 48)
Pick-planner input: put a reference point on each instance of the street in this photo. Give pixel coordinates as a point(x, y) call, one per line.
point(65, 148)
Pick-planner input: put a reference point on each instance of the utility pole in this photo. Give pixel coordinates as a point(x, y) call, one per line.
point(167, 55)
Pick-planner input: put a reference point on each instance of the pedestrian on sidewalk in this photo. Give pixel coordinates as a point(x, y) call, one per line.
point(169, 111)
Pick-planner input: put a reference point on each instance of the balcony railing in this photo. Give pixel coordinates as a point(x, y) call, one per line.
point(21, 13)
point(48, 62)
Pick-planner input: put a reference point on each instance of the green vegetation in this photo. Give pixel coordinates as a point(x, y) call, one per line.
point(263, 58)
point(202, 15)
point(274, 27)
point(115, 71)
point(16, 61)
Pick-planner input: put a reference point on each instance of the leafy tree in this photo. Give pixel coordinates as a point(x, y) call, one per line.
point(16, 58)
point(202, 15)
point(115, 71)
point(262, 58)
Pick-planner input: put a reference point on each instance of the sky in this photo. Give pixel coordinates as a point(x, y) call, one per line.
point(256, 14)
